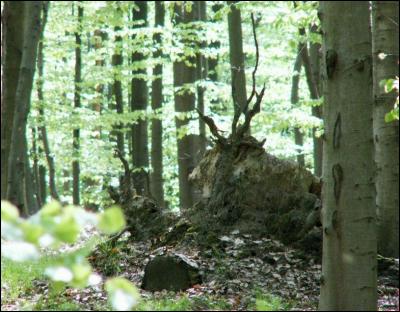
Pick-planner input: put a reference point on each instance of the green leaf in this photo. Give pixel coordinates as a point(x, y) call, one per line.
point(8, 211)
point(112, 220)
point(81, 273)
point(122, 294)
point(67, 230)
point(51, 209)
point(32, 232)
point(392, 115)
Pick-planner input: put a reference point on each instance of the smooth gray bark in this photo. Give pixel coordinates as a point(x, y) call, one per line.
point(385, 41)
point(349, 263)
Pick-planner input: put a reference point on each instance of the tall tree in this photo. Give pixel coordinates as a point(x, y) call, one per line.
point(42, 127)
point(77, 104)
point(314, 86)
point(349, 276)
point(117, 61)
point(12, 39)
point(156, 178)
point(294, 100)
point(19, 177)
point(385, 51)
point(184, 102)
point(139, 100)
point(213, 61)
point(236, 56)
point(201, 73)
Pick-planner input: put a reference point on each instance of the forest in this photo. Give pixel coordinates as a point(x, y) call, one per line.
point(199, 155)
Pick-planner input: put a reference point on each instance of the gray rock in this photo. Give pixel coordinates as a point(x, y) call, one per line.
point(170, 272)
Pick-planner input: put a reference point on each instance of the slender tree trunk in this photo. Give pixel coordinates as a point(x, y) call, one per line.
point(139, 103)
point(117, 61)
point(184, 103)
point(237, 57)
point(213, 62)
point(349, 263)
point(42, 128)
point(12, 40)
point(316, 110)
point(98, 104)
point(156, 178)
point(77, 104)
point(294, 100)
point(19, 192)
point(201, 74)
point(385, 41)
point(35, 167)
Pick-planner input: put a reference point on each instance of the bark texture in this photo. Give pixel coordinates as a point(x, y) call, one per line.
point(385, 39)
point(349, 264)
point(12, 40)
point(19, 176)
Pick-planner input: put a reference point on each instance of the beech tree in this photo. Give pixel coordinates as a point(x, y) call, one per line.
point(139, 102)
point(157, 188)
point(77, 104)
point(385, 51)
point(19, 176)
point(236, 55)
point(184, 97)
point(349, 262)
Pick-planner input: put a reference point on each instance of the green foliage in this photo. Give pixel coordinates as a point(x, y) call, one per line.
point(52, 226)
point(107, 258)
point(277, 29)
point(392, 85)
point(267, 302)
point(112, 220)
point(122, 294)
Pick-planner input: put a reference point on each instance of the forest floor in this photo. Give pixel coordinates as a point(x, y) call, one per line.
point(239, 273)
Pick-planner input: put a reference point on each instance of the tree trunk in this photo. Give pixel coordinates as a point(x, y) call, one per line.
point(201, 74)
point(294, 100)
point(35, 167)
point(213, 62)
point(385, 39)
point(42, 128)
point(19, 192)
point(99, 37)
point(315, 110)
point(237, 57)
point(12, 40)
point(117, 61)
point(139, 103)
point(184, 103)
point(156, 178)
point(349, 274)
point(77, 104)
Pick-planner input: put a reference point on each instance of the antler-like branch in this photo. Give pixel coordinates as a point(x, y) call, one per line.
point(119, 154)
point(213, 128)
point(253, 91)
point(249, 114)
